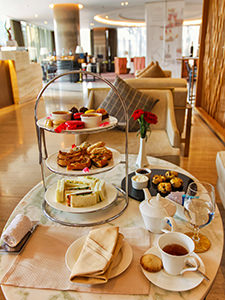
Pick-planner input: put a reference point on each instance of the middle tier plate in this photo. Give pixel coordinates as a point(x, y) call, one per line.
point(51, 163)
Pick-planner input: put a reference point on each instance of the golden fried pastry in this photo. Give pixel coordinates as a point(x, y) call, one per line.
point(176, 183)
point(164, 188)
point(82, 156)
point(84, 146)
point(80, 165)
point(156, 179)
point(96, 145)
point(103, 151)
point(170, 174)
point(151, 263)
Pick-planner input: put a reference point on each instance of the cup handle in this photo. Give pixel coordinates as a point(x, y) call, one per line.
point(194, 262)
point(172, 224)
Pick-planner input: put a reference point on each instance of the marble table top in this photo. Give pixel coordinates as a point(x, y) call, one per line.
point(30, 205)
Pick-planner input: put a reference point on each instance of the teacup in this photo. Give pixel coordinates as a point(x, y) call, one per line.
point(176, 250)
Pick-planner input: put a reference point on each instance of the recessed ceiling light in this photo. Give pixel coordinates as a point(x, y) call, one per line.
point(45, 22)
point(80, 6)
point(51, 5)
point(36, 15)
point(100, 19)
point(106, 17)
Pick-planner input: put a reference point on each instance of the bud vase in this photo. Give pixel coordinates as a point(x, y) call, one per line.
point(142, 160)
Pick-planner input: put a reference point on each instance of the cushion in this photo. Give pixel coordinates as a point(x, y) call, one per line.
point(139, 73)
point(154, 72)
point(133, 100)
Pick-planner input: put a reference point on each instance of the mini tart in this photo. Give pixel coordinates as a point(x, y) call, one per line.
point(164, 188)
point(170, 174)
point(156, 179)
point(176, 183)
point(104, 113)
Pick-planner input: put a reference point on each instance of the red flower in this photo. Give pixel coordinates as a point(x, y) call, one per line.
point(150, 117)
point(137, 113)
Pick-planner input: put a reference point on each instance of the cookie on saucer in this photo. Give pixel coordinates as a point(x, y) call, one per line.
point(151, 263)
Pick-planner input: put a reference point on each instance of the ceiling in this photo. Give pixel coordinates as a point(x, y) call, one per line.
point(38, 11)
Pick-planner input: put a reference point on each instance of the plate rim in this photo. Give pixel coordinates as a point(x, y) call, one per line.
point(125, 247)
point(80, 172)
point(155, 250)
point(81, 211)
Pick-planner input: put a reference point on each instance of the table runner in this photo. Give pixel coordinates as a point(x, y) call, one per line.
point(42, 263)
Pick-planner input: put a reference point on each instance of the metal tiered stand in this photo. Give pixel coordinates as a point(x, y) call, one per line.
point(92, 217)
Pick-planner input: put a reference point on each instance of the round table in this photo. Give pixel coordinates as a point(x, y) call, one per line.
point(30, 205)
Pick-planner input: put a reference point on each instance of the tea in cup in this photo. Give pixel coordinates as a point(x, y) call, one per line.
point(176, 250)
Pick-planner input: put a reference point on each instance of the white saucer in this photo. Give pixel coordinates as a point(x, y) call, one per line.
point(187, 281)
point(123, 259)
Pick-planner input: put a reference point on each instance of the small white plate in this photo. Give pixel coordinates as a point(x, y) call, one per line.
point(50, 197)
point(185, 282)
point(51, 163)
point(112, 123)
point(123, 259)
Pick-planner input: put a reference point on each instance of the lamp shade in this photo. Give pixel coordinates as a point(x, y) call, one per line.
point(79, 49)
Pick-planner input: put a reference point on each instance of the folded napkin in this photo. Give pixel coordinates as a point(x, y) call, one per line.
point(16, 230)
point(97, 256)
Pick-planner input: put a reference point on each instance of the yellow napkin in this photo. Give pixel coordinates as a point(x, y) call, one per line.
point(97, 256)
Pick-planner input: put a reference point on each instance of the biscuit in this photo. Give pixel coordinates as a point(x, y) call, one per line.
point(151, 263)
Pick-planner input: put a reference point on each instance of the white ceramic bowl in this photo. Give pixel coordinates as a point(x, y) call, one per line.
point(143, 171)
point(139, 182)
point(91, 120)
point(61, 115)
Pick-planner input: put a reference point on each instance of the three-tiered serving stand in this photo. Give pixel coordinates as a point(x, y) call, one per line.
point(93, 217)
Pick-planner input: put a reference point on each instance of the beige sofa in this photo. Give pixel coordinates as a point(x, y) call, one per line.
point(164, 141)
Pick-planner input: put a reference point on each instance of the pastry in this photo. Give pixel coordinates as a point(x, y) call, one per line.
point(164, 188)
point(170, 174)
point(177, 183)
point(73, 110)
point(80, 165)
point(156, 179)
point(104, 113)
point(96, 145)
point(151, 263)
point(84, 146)
point(83, 109)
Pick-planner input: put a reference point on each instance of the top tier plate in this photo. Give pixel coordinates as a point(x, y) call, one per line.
point(112, 123)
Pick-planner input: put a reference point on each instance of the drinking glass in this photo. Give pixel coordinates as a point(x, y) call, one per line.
point(199, 209)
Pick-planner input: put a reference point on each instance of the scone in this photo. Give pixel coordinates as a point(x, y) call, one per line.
point(151, 263)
